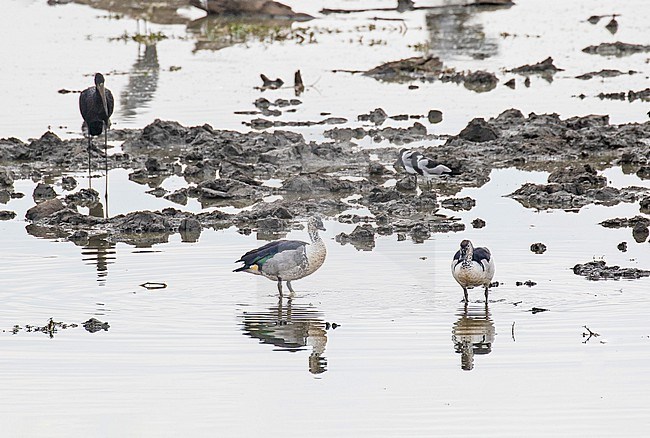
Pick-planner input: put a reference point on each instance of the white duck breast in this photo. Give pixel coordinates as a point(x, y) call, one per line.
point(473, 267)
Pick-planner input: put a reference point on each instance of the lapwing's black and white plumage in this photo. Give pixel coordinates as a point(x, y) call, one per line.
point(472, 267)
point(430, 169)
point(96, 107)
point(408, 160)
point(287, 260)
point(417, 164)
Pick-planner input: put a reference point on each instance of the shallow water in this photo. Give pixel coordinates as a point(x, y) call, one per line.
point(218, 353)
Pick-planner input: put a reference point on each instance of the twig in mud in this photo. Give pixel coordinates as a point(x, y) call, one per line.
point(535, 310)
point(292, 87)
point(326, 11)
point(153, 285)
point(387, 19)
point(403, 28)
point(512, 331)
point(589, 335)
point(354, 72)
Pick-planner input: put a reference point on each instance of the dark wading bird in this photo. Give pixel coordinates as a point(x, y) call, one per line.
point(96, 106)
point(287, 260)
point(473, 267)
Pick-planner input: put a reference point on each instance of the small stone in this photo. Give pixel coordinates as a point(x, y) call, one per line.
point(6, 215)
point(434, 116)
point(6, 177)
point(68, 183)
point(640, 232)
point(622, 246)
point(478, 223)
point(538, 248)
point(44, 209)
point(478, 131)
point(377, 116)
point(94, 325)
point(375, 168)
point(43, 191)
point(528, 283)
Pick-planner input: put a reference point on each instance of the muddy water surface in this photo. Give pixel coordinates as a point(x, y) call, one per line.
point(376, 343)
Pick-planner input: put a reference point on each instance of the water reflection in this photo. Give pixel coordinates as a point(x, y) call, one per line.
point(143, 81)
point(290, 327)
point(452, 34)
point(100, 252)
point(472, 334)
point(218, 32)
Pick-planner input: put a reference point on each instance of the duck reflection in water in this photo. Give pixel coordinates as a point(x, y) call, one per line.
point(472, 334)
point(290, 327)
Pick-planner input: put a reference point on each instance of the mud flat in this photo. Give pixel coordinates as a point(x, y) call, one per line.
point(228, 168)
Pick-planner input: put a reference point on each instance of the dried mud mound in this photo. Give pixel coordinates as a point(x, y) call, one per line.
point(229, 168)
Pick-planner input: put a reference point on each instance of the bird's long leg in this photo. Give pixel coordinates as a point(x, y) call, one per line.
point(289, 286)
point(486, 295)
point(90, 142)
point(106, 195)
point(106, 147)
point(465, 292)
point(280, 286)
point(106, 165)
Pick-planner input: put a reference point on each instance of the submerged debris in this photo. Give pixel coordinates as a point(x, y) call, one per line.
point(630, 95)
point(248, 8)
point(572, 188)
point(408, 69)
point(458, 204)
point(598, 270)
point(362, 237)
point(626, 222)
point(528, 283)
point(478, 223)
point(590, 334)
point(51, 328)
point(94, 325)
point(6, 215)
point(605, 73)
point(538, 248)
point(376, 116)
point(544, 68)
point(429, 69)
point(616, 49)
point(153, 285)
